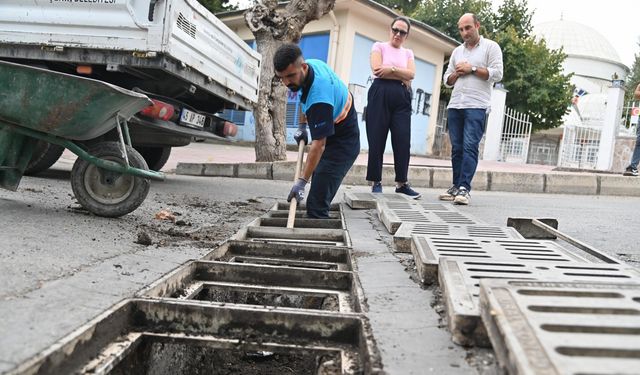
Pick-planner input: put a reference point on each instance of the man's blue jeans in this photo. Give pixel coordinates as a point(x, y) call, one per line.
point(635, 158)
point(466, 127)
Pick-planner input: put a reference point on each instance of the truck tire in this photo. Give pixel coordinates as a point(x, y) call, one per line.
point(156, 157)
point(44, 156)
point(105, 193)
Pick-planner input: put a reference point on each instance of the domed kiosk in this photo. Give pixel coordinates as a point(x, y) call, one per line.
point(590, 56)
point(594, 63)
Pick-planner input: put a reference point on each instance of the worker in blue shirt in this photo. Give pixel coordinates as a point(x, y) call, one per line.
point(333, 124)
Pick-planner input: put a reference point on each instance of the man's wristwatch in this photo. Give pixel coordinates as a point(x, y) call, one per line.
point(474, 69)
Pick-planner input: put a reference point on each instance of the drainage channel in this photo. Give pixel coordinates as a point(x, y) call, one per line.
point(544, 308)
point(273, 286)
point(270, 300)
point(146, 336)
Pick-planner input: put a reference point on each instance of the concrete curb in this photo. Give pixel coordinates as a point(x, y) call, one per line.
point(439, 178)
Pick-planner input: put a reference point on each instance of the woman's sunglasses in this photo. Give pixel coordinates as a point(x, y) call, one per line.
point(398, 31)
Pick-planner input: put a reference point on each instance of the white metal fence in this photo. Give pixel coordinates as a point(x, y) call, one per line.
point(441, 129)
point(579, 146)
point(629, 119)
point(515, 137)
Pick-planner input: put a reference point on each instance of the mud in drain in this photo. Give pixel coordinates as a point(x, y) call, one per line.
point(160, 356)
point(268, 297)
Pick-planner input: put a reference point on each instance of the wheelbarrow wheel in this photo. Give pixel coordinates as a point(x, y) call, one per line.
point(44, 156)
point(106, 193)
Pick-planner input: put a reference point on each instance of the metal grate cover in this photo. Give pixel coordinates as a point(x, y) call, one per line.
point(393, 218)
point(402, 237)
point(548, 327)
point(460, 283)
point(427, 252)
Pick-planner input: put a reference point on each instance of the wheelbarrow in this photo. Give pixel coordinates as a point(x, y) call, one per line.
point(109, 178)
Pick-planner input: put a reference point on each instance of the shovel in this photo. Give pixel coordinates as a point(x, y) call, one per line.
point(294, 202)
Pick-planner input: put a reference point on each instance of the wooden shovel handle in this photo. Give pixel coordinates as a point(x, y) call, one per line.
point(294, 202)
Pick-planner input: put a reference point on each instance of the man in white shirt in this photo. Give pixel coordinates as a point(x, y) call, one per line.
point(473, 68)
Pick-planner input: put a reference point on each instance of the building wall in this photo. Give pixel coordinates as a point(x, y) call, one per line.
point(352, 29)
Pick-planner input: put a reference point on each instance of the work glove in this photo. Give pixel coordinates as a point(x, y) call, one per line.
point(297, 191)
point(301, 134)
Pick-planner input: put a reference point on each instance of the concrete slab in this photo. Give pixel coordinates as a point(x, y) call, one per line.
point(284, 170)
point(459, 281)
point(260, 170)
point(409, 338)
point(550, 327)
point(220, 170)
point(442, 178)
point(620, 185)
point(369, 200)
point(480, 181)
point(571, 184)
point(419, 177)
point(192, 169)
point(517, 182)
point(402, 237)
point(427, 252)
point(356, 175)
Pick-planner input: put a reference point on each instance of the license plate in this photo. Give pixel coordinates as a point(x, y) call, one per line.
point(191, 118)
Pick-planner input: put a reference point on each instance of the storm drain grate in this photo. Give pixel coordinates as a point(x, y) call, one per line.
point(238, 283)
point(549, 327)
point(393, 218)
point(460, 283)
point(370, 200)
point(427, 252)
point(454, 217)
point(402, 237)
point(179, 337)
point(436, 206)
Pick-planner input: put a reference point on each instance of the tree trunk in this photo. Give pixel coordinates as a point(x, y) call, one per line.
point(272, 28)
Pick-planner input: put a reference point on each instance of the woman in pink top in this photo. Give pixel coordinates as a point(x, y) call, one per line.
point(389, 107)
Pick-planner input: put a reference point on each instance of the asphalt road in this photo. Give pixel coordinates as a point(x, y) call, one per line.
point(62, 266)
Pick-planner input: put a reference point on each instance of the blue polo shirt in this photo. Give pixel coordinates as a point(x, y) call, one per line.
point(324, 97)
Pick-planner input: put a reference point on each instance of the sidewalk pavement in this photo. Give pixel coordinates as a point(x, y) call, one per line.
point(231, 160)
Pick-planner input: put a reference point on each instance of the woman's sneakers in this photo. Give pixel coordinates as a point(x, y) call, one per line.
point(407, 190)
point(376, 187)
